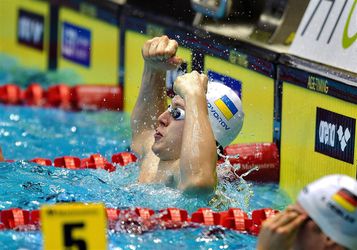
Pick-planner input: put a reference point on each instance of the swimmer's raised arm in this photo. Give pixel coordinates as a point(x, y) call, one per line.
point(198, 153)
point(159, 55)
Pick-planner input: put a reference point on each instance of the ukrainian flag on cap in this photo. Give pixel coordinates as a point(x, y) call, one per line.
point(346, 199)
point(226, 106)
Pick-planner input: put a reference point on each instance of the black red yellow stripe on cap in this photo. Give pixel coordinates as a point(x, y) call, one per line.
point(346, 200)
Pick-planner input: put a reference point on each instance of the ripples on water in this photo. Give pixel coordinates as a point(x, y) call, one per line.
point(27, 133)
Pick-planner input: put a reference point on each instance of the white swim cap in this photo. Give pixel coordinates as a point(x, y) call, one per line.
point(332, 203)
point(225, 112)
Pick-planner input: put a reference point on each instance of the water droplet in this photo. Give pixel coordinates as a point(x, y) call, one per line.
point(14, 117)
point(157, 240)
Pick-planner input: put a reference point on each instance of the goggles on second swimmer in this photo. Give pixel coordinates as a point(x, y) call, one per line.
point(176, 113)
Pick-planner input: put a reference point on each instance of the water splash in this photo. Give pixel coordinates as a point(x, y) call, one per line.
point(232, 189)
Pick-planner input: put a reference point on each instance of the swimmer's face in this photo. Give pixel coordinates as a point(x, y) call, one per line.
point(309, 235)
point(168, 134)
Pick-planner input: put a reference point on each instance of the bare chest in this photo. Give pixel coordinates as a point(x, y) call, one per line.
point(153, 170)
point(169, 175)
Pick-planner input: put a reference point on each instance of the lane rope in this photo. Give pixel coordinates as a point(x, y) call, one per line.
point(140, 220)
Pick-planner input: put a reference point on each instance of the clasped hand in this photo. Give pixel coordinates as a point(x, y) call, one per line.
point(159, 54)
point(191, 84)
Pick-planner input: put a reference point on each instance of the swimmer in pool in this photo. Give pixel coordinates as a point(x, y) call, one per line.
point(324, 217)
point(177, 143)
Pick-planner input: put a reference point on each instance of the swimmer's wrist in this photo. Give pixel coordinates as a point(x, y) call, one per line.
point(194, 94)
point(150, 68)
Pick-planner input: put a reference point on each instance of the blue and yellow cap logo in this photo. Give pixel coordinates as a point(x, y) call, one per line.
point(226, 106)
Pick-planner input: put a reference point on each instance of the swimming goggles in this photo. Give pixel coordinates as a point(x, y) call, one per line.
point(176, 113)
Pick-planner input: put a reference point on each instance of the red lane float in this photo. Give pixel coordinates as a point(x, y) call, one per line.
point(260, 215)
point(15, 217)
point(93, 97)
point(42, 161)
point(97, 161)
point(169, 218)
point(235, 218)
point(112, 214)
point(144, 213)
point(79, 97)
point(174, 214)
point(34, 217)
point(206, 217)
point(263, 155)
point(10, 94)
point(124, 158)
point(59, 96)
point(34, 95)
point(69, 162)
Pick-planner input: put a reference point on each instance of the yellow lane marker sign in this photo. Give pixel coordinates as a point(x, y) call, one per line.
point(74, 226)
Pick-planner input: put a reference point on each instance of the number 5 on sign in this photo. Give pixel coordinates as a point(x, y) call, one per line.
point(74, 226)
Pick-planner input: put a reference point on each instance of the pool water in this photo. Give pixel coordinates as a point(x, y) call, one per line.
point(26, 133)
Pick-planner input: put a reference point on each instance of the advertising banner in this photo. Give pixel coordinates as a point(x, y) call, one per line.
point(328, 34)
point(335, 135)
point(226, 80)
point(318, 129)
point(89, 47)
point(76, 43)
point(24, 32)
point(30, 29)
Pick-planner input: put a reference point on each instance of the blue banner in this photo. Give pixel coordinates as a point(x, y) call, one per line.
point(76, 44)
point(226, 80)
